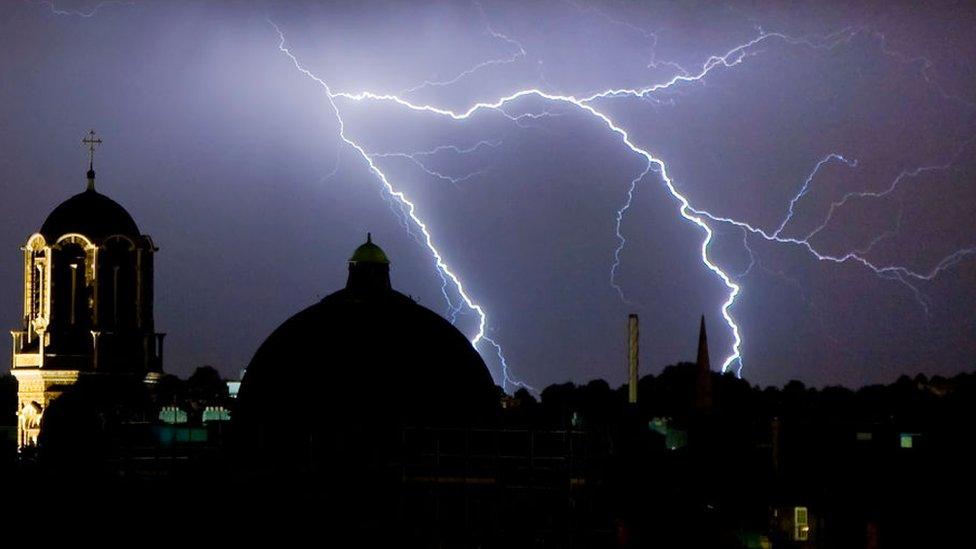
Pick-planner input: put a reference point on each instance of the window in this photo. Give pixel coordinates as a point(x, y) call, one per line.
point(801, 526)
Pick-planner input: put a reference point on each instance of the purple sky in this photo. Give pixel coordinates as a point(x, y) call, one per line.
point(232, 159)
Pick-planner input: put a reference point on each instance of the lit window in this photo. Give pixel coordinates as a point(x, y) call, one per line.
point(801, 524)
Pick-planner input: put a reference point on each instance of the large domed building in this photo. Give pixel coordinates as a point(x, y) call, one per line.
point(345, 375)
point(88, 304)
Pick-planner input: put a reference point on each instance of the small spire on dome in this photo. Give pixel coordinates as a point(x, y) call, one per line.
point(92, 142)
point(369, 268)
point(369, 253)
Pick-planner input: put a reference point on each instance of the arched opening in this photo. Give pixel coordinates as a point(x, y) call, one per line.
point(71, 298)
point(118, 305)
point(35, 281)
point(117, 286)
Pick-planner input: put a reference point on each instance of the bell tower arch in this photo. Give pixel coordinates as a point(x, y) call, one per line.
point(88, 276)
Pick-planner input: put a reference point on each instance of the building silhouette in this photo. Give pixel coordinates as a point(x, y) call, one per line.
point(389, 363)
point(367, 416)
point(88, 303)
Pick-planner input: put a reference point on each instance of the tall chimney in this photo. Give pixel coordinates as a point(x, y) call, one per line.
point(633, 349)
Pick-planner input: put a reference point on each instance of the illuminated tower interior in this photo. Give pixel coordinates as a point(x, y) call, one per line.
point(88, 303)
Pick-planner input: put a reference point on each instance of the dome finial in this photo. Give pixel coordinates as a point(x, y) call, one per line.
point(369, 268)
point(369, 253)
point(92, 142)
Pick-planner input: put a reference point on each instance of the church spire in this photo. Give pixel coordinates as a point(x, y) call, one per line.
point(92, 142)
point(703, 388)
point(703, 362)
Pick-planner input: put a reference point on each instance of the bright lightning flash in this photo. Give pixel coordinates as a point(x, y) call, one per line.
point(696, 216)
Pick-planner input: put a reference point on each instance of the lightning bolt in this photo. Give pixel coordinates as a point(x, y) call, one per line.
point(621, 241)
point(585, 104)
point(905, 174)
point(752, 256)
point(925, 71)
point(411, 211)
point(806, 186)
point(648, 35)
point(415, 158)
point(453, 308)
point(84, 14)
point(519, 54)
point(410, 217)
point(907, 277)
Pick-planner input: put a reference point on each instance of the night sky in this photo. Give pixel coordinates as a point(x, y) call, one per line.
point(232, 159)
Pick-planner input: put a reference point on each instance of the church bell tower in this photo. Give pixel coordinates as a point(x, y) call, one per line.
point(88, 303)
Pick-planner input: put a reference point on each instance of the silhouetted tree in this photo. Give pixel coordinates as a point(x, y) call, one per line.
point(596, 403)
point(524, 411)
point(205, 386)
point(558, 405)
point(85, 424)
point(170, 391)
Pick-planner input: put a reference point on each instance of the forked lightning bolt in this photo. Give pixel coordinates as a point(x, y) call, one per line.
point(517, 55)
point(415, 158)
point(696, 216)
point(685, 209)
point(411, 211)
point(410, 217)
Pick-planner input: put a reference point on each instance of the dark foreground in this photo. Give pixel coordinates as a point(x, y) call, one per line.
point(883, 467)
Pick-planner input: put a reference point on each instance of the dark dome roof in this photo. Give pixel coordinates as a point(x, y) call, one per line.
point(91, 214)
point(365, 360)
point(380, 355)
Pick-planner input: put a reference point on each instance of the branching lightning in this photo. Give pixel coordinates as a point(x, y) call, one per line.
point(78, 13)
point(905, 174)
point(806, 186)
point(621, 241)
point(415, 158)
point(412, 220)
point(519, 54)
point(648, 35)
point(907, 277)
point(411, 211)
point(685, 208)
point(586, 104)
point(453, 308)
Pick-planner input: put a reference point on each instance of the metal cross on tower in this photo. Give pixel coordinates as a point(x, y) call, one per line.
point(92, 142)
